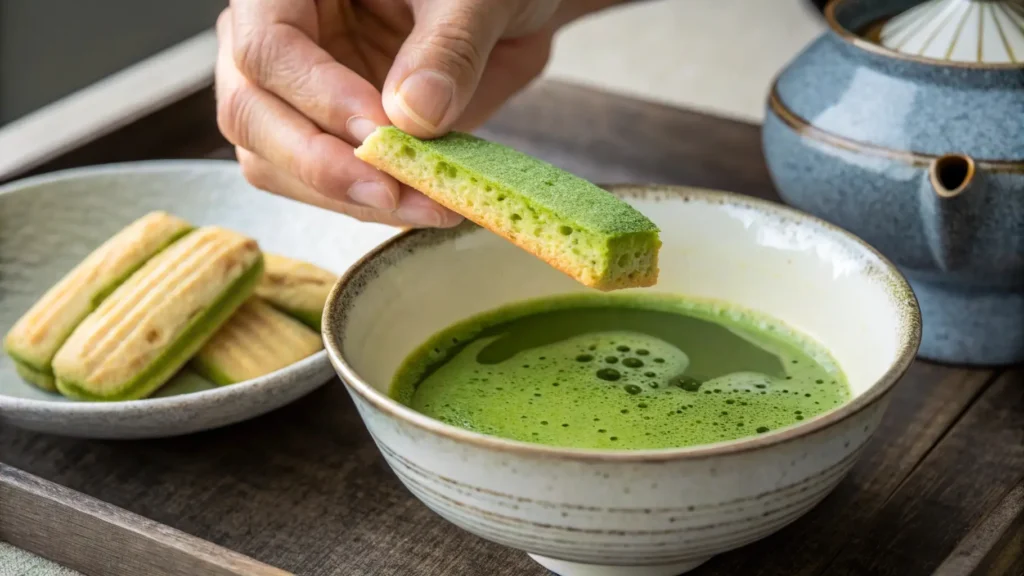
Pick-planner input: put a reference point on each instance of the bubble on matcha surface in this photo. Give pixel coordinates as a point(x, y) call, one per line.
point(642, 408)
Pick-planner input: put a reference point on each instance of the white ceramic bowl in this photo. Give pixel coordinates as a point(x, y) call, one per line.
point(629, 513)
point(49, 223)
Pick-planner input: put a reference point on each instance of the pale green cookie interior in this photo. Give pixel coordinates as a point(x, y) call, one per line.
point(311, 318)
point(196, 333)
point(561, 211)
point(211, 372)
point(41, 379)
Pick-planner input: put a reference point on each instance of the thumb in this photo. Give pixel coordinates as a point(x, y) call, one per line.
point(439, 66)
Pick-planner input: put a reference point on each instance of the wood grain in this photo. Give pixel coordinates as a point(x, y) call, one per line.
point(960, 481)
point(98, 539)
point(995, 546)
point(305, 489)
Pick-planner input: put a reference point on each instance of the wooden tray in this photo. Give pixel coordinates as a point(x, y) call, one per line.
point(98, 539)
point(938, 492)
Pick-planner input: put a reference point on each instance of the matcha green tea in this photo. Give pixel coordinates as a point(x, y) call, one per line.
point(620, 372)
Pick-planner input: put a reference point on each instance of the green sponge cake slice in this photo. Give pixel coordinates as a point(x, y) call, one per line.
point(571, 224)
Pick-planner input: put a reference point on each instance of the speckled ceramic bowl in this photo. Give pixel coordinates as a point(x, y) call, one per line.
point(629, 513)
point(921, 156)
point(49, 223)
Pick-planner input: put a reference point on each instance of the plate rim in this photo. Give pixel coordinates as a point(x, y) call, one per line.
point(10, 404)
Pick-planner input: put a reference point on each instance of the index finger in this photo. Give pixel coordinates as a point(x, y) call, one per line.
point(275, 46)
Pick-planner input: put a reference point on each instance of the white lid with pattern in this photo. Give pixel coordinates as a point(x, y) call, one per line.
point(990, 31)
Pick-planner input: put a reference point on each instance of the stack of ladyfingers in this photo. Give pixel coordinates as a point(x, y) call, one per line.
point(159, 294)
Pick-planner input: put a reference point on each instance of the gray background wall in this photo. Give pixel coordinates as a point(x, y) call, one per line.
point(50, 48)
point(715, 55)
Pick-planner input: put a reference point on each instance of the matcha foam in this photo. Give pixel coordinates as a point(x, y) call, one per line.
point(620, 372)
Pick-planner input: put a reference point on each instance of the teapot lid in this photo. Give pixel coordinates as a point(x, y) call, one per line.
point(983, 31)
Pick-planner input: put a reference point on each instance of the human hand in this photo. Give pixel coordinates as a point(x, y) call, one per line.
point(301, 83)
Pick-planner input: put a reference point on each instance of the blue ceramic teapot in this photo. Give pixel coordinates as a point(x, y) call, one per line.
point(922, 157)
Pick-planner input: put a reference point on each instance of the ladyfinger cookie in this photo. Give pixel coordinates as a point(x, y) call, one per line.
point(257, 340)
point(160, 317)
point(297, 288)
point(35, 338)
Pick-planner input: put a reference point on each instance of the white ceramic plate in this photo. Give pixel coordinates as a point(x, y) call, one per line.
point(50, 222)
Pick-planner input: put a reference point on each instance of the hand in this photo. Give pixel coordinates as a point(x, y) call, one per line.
point(300, 83)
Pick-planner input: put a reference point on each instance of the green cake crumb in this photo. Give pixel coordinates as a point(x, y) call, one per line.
point(577, 227)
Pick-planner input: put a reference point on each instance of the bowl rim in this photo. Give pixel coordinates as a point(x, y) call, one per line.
point(910, 340)
point(16, 404)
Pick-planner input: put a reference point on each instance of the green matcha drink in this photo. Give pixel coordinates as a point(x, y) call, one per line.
point(620, 372)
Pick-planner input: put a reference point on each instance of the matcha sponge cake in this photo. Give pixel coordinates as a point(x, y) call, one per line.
point(573, 225)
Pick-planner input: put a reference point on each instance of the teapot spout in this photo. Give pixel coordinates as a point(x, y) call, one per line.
point(948, 209)
point(952, 175)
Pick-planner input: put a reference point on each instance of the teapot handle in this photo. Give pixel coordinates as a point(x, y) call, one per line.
point(949, 208)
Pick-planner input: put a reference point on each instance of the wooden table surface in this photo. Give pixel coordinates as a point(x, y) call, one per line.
point(939, 491)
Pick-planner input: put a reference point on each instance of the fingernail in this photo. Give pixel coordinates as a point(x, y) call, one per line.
point(360, 127)
point(425, 96)
point(372, 194)
point(419, 216)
